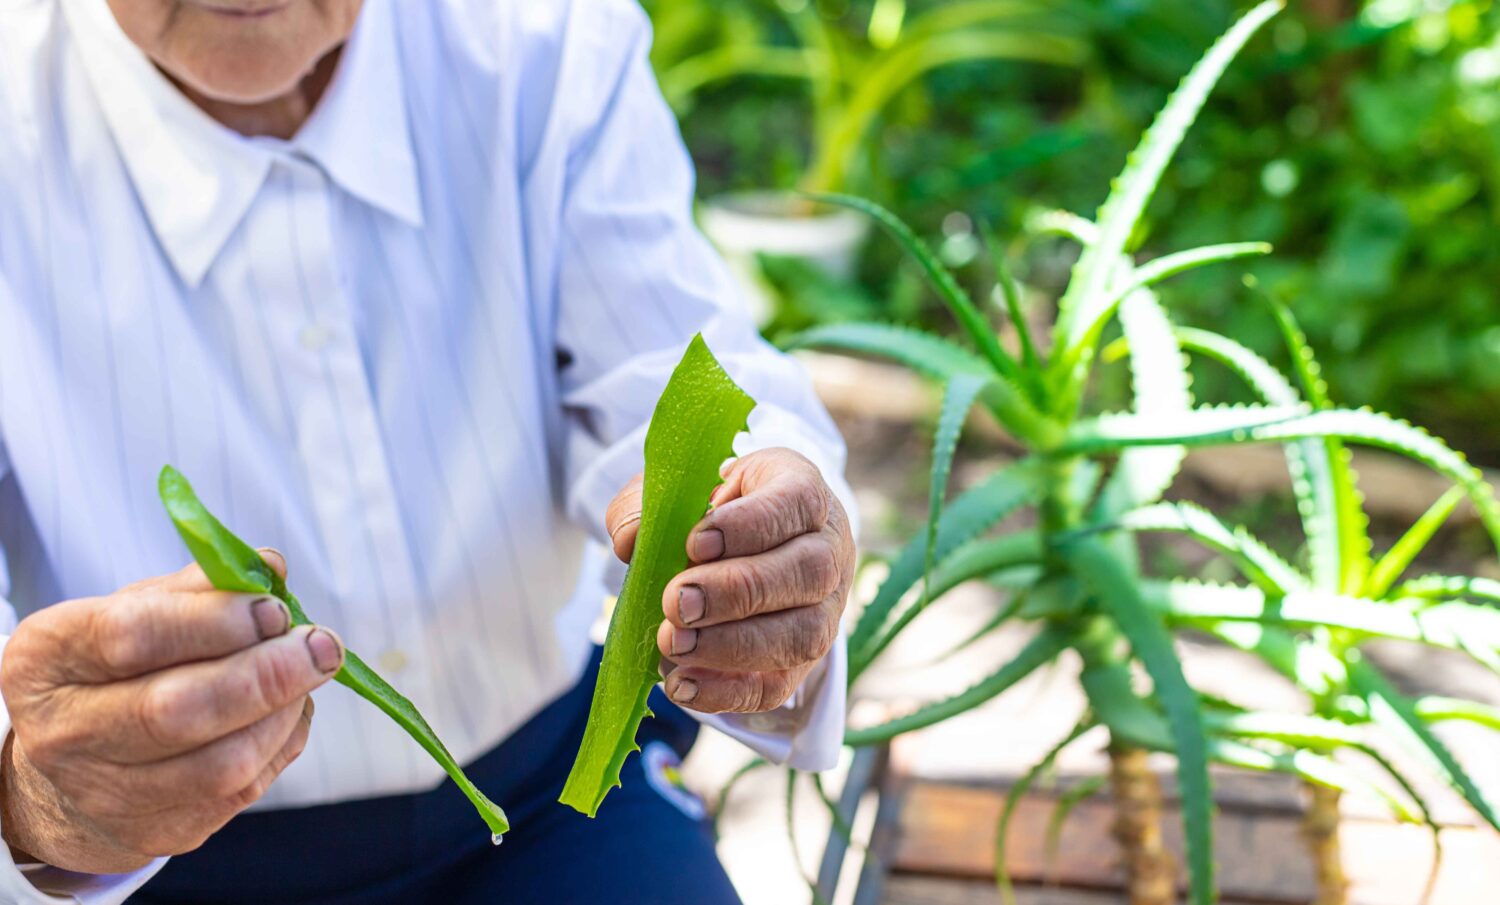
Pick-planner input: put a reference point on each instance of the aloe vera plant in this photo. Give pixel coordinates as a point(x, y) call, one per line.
point(691, 434)
point(233, 565)
point(1078, 577)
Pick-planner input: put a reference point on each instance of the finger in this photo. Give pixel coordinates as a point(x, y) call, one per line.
point(800, 572)
point(132, 634)
point(772, 641)
point(788, 505)
point(225, 768)
point(623, 519)
point(709, 691)
point(177, 710)
point(290, 750)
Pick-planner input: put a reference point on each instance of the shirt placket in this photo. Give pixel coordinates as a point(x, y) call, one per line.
point(339, 440)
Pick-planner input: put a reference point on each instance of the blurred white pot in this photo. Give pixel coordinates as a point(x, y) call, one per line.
point(747, 224)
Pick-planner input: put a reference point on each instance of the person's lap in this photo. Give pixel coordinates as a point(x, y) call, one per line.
point(648, 845)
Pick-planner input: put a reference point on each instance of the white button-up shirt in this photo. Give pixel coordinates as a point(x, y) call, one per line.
point(415, 348)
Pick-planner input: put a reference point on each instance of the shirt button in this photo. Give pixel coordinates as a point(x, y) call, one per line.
point(393, 660)
point(314, 337)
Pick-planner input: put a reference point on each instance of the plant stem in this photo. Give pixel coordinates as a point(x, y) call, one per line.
point(1151, 873)
point(1320, 830)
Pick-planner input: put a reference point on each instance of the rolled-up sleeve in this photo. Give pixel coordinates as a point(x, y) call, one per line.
point(635, 281)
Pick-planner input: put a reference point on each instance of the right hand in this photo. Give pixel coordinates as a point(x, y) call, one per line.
point(144, 720)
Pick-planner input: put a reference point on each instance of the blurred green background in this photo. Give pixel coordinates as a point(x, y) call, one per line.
point(1361, 138)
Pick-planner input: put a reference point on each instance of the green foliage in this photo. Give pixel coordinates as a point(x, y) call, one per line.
point(691, 434)
point(1077, 576)
point(233, 565)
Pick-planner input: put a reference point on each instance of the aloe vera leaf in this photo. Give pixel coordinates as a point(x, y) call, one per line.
point(1122, 210)
point(1220, 425)
point(1352, 526)
point(1401, 554)
point(1306, 460)
point(1017, 792)
point(1159, 378)
point(1396, 714)
point(958, 398)
point(1113, 582)
point(948, 289)
point(1043, 648)
point(691, 434)
point(233, 565)
point(1253, 558)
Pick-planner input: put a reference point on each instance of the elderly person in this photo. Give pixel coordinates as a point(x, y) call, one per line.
point(397, 283)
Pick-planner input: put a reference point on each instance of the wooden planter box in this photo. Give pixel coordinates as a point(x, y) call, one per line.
point(933, 844)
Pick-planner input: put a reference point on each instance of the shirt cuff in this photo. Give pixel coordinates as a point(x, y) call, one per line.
point(42, 884)
point(805, 733)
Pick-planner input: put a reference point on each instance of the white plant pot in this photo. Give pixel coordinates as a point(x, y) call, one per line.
point(747, 224)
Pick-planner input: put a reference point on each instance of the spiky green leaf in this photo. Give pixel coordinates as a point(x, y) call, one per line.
point(1395, 713)
point(1115, 586)
point(1042, 649)
point(1258, 562)
point(1399, 557)
point(1134, 187)
point(1219, 425)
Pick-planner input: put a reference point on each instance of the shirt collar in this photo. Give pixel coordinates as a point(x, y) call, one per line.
point(197, 178)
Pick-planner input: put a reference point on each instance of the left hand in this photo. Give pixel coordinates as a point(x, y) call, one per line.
point(761, 604)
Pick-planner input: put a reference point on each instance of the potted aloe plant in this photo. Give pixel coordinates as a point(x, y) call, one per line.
point(851, 79)
point(1089, 475)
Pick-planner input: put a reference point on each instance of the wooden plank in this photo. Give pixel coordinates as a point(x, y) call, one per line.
point(912, 890)
point(948, 830)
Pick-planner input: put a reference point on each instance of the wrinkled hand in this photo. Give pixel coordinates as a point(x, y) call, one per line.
point(761, 605)
point(144, 720)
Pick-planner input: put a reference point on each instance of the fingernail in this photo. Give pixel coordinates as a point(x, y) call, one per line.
point(268, 553)
point(690, 603)
point(308, 709)
point(272, 618)
point(683, 641)
point(327, 652)
point(708, 545)
point(685, 691)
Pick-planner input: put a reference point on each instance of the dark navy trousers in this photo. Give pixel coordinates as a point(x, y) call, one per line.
point(644, 847)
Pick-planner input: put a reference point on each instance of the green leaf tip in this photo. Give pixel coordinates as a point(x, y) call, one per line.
point(233, 565)
point(692, 432)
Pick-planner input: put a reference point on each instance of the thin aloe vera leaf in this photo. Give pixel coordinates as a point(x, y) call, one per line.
point(1435, 586)
point(1148, 275)
point(1389, 568)
point(1122, 210)
point(1070, 799)
point(1115, 585)
point(1258, 562)
point(958, 398)
point(1306, 662)
point(971, 513)
point(979, 330)
point(1299, 730)
point(973, 560)
point(1454, 625)
point(1010, 294)
point(1424, 812)
point(691, 434)
point(233, 565)
point(744, 770)
point(1436, 709)
point(1042, 649)
point(923, 352)
point(1310, 767)
point(939, 359)
point(1161, 385)
point(1396, 714)
point(1307, 460)
point(1220, 425)
point(1013, 800)
point(1002, 615)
